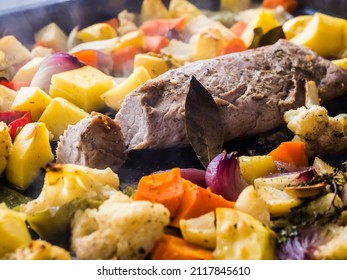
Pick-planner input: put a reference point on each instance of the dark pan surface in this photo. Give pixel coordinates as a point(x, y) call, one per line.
point(67, 14)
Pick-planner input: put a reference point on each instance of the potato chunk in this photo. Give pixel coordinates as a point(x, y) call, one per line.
point(31, 99)
point(82, 87)
point(31, 151)
point(200, 231)
point(13, 231)
point(242, 237)
point(59, 114)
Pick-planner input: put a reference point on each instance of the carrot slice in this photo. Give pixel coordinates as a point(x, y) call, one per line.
point(123, 59)
point(291, 152)
point(234, 45)
point(197, 201)
point(155, 43)
point(89, 57)
point(165, 188)
point(171, 247)
point(160, 27)
point(238, 28)
point(289, 5)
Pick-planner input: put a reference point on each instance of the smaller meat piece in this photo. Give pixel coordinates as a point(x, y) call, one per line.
point(96, 142)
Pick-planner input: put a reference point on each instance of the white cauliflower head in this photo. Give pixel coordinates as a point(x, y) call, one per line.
point(120, 229)
point(321, 133)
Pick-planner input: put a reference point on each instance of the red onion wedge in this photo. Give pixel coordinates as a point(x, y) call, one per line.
point(223, 176)
point(53, 64)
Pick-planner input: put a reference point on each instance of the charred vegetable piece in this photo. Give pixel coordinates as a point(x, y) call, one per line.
point(39, 250)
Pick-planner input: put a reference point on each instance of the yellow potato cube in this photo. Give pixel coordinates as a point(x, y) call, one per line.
point(265, 19)
point(250, 202)
point(95, 32)
point(323, 34)
point(278, 201)
point(208, 46)
point(295, 25)
point(253, 167)
point(200, 231)
point(155, 65)
point(242, 237)
point(52, 36)
point(31, 99)
point(153, 9)
point(31, 151)
point(28, 70)
point(133, 38)
point(15, 52)
point(82, 87)
point(13, 230)
point(59, 114)
point(341, 63)
point(114, 97)
point(182, 8)
point(235, 5)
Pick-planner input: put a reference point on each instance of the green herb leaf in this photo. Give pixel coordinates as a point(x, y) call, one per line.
point(203, 123)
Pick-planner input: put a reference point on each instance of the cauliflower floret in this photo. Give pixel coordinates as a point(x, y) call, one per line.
point(120, 229)
point(126, 23)
point(321, 133)
point(65, 182)
point(39, 250)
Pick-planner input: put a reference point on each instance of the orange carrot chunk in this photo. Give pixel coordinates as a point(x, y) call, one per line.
point(155, 43)
point(165, 188)
point(291, 152)
point(234, 45)
point(171, 247)
point(289, 5)
point(197, 201)
point(160, 27)
point(238, 28)
point(123, 59)
point(89, 57)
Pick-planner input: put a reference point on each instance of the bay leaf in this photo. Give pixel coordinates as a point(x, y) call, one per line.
point(203, 123)
point(261, 39)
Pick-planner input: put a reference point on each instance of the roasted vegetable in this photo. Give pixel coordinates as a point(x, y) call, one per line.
point(39, 250)
point(5, 145)
point(82, 87)
point(171, 247)
point(31, 99)
point(13, 231)
point(120, 229)
point(242, 237)
point(31, 151)
point(200, 231)
point(65, 182)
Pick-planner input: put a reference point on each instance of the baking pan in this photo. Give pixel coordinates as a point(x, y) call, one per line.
point(67, 14)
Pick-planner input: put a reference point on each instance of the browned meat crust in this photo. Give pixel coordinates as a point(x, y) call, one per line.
point(252, 89)
point(96, 142)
